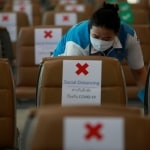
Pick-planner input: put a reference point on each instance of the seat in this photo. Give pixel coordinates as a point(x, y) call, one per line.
point(143, 33)
point(56, 127)
point(50, 17)
point(7, 107)
point(26, 69)
point(49, 90)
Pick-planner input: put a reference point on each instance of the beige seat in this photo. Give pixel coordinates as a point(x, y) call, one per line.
point(26, 69)
point(50, 80)
point(7, 107)
point(49, 16)
point(47, 127)
point(143, 32)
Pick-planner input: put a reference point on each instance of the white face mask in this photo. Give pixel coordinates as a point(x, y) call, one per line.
point(101, 45)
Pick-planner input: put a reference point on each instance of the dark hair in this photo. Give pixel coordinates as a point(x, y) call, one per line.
point(106, 16)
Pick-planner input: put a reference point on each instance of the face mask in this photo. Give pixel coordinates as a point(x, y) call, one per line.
point(101, 45)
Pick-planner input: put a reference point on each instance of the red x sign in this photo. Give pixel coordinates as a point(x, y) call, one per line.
point(5, 18)
point(65, 18)
point(48, 34)
point(82, 69)
point(93, 131)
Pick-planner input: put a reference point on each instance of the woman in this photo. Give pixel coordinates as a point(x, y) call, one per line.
point(104, 34)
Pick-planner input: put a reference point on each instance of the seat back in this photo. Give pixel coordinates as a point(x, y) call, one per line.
point(49, 89)
point(7, 106)
point(73, 124)
point(26, 69)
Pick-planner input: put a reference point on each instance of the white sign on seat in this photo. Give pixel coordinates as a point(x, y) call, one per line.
point(45, 42)
point(81, 82)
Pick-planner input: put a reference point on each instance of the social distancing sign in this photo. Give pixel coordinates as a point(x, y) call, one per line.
point(81, 82)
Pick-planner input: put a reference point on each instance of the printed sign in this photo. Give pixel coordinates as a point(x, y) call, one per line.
point(93, 133)
point(25, 7)
point(8, 20)
point(75, 7)
point(45, 42)
point(81, 83)
point(65, 18)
